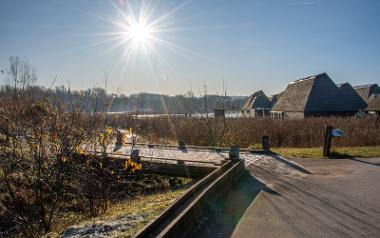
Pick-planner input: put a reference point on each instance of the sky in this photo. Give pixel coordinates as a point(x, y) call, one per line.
point(241, 46)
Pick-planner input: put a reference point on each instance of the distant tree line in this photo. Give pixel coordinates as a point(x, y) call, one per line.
point(21, 77)
point(94, 99)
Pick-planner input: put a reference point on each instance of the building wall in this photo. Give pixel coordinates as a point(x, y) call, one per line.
point(294, 115)
point(245, 113)
point(301, 115)
point(374, 113)
point(261, 113)
point(329, 114)
point(256, 113)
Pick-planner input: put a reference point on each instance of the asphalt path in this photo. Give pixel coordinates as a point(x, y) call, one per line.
point(341, 198)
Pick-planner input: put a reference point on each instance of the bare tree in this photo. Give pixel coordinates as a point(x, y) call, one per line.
point(210, 133)
point(222, 104)
point(20, 75)
point(216, 126)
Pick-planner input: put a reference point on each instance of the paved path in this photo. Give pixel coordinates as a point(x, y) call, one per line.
point(340, 199)
point(225, 213)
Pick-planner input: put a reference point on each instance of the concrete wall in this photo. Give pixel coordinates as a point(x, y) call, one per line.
point(178, 170)
point(186, 221)
point(179, 218)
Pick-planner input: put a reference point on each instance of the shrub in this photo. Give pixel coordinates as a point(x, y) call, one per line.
point(248, 131)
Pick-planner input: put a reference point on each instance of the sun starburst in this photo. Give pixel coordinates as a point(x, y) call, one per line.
point(141, 33)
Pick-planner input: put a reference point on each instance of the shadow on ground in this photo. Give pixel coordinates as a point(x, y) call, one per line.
point(223, 213)
point(317, 205)
point(337, 155)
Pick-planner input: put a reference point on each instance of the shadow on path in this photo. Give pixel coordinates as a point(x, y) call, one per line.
point(363, 161)
point(291, 164)
point(336, 155)
point(316, 208)
point(223, 213)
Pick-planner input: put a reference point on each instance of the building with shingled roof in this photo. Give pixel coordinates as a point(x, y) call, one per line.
point(368, 92)
point(349, 95)
point(274, 98)
point(257, 105)
point(374, 106)
point(315, 95)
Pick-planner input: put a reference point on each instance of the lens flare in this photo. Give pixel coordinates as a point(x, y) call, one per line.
point(143, 36)
point(139, 32)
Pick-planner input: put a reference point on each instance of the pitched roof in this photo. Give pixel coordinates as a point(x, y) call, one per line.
point(274, 98)
point(317, 93)
point(368, 91)
point(374, 105)
point(257, 100)
point(365, 86)
point(246, 104)
point(351, 97)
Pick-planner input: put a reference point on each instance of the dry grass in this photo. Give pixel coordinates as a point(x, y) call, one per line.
point(244, 132)
point(150, 206)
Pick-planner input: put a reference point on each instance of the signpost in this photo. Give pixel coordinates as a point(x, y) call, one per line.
point(337, 133)
point(265, 143)
point(330, 133)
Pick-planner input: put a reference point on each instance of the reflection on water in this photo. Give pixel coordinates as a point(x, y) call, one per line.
point(232, 114)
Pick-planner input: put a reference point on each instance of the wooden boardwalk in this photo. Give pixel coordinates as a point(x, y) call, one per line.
point(173, 154)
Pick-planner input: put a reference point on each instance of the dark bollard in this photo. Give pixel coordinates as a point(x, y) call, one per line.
point(135, 157)
point(265, 143)
point(327, 145)
point(234, 153)
point(119, 138)
point(181, 145)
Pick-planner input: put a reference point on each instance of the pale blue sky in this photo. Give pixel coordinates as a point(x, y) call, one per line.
point(251, 45)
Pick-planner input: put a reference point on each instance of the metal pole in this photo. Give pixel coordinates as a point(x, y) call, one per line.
point(327, 145)
point(265, 143)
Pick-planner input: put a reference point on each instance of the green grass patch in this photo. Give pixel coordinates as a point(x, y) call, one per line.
point(256, 147)
point(336, 152)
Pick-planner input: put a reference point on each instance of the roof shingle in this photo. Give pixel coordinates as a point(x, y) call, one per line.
point(374, 105)
point(257, 100)
point(317, 93)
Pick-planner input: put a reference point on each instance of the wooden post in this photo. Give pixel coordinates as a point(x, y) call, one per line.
point(181, 145)
point(234, 153)
point(119, 138)
point(135, 156)
point(327, 145)
point(265, 143)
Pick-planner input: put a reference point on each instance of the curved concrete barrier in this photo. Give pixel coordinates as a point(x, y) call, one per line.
point(180, 170)
point(179, 219)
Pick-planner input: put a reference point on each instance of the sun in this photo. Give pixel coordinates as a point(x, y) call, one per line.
point(141, 32)
point(138, 32)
